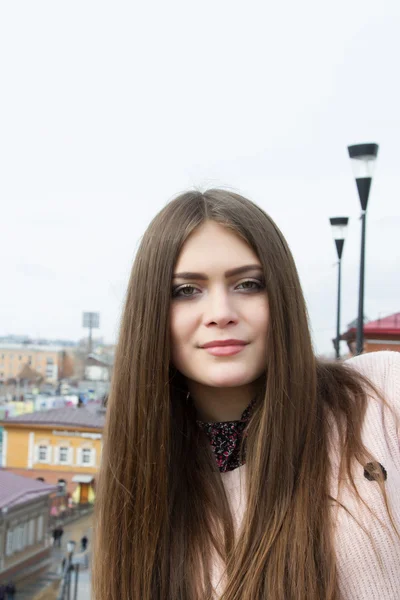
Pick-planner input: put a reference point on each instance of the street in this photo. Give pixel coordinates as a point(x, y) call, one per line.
point(75, 531)
point(72, 531)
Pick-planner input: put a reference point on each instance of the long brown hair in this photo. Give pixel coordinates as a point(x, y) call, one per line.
point(161, 508)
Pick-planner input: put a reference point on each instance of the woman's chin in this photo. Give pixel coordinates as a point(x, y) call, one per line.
point(227, 380)
point(228, 384)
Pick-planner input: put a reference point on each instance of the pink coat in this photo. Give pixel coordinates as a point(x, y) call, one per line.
point(361, 575)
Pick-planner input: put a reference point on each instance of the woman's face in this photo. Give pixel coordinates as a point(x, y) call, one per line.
point(219, 310)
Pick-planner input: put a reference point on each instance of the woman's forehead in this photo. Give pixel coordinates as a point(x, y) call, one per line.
point(213, 244)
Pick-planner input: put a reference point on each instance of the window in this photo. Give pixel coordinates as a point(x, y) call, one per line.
point(9, 542)
point(19, 538)
point(86, 456)
point(39, 531)
point(19, 357)
point(31, 532)
point(40, 478)
point(63, 455)
point(43, 453)
point(62, 484)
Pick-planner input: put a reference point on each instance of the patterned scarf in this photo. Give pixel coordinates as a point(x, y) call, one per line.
point(226, 438)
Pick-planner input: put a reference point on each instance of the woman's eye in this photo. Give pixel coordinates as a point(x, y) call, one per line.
point(184, 291)
point(250, 285)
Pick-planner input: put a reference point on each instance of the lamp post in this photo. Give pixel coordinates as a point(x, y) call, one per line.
point(70, 549)
point(65, 587)
point(339, 226)
point(76, 568)
point(363, 158)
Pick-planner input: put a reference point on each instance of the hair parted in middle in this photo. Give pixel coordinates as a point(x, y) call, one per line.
point(161, 509)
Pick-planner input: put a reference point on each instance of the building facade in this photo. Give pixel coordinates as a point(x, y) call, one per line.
point(60, 446)
point(382, 334)
point(24, 515)
point(97, 369)
point(51, 362)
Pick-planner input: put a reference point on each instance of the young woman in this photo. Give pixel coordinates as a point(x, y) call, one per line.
point(236, 465)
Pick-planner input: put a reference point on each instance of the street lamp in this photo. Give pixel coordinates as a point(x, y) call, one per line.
point(76, 569)
point(65, 588)
point(363, 158)
point(70, 549)
point(339, 226)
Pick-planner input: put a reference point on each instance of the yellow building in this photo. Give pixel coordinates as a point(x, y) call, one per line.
point(60, 446)
point(48, 361)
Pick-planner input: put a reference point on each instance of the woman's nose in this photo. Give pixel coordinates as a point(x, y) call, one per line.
point(220, 310)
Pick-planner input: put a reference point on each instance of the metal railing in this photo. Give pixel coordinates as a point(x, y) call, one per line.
point(72, 565)
point(64, 593)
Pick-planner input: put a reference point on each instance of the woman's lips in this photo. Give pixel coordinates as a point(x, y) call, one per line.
point(224, 347)
point(224, 350)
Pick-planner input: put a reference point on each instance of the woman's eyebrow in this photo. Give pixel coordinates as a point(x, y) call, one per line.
point(230, 273)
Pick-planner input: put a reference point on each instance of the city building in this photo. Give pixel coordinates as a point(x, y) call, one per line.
point(59, 446)
point(34, 362)
point(97, 368)
point(382, 334)
point(106, 352)
point(25, 548)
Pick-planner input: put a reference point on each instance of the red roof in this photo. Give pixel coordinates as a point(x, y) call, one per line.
point(15, 489)
point(388, 325)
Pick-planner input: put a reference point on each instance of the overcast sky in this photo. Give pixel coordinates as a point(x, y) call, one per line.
point(108, 109)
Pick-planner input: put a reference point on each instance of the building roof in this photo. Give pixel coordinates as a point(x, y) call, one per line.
point(68, 416)
point(93, 360)
point(386, 326)
point(389, 325)
point(15, 489)
point(29, 374)
point(32, 347)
